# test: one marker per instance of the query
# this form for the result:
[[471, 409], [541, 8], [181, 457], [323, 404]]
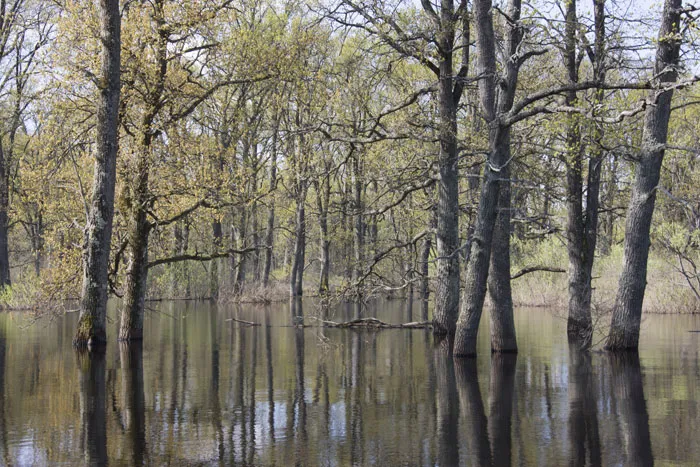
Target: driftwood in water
[[374, 323], [247, 323]]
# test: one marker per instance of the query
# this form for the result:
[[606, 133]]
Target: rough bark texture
[[582, 223], [447, 232], [93, 305], [131, 325], [502, 320], [4, 221], [627, 312], [493, 108]]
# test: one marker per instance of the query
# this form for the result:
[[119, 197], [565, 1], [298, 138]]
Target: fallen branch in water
[[375, 323], [247, 323]]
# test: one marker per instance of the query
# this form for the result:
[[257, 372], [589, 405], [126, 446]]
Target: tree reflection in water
[[206, 391], [92, 407], [133, 403]]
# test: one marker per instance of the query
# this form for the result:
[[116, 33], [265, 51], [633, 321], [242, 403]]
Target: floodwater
[[205, 391]]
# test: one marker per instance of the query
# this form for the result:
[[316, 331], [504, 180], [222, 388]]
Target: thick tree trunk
[[447, 233], [93, 305], [502, 319], [627, 312], [4, 221], [239, 262], [131, 326], [582, 224], [496, 167]]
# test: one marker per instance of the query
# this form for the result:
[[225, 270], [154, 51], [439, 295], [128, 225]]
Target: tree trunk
[[447, 233], [270, 232], [322, 201], [4, 221], [359, 227], [131, 326], [93, 305], [627, 312], [498, 159], [214, 279], [582, 224], [502, 319], [297, 279]]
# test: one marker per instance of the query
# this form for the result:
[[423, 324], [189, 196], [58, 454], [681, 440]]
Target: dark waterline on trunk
[[202, 390]]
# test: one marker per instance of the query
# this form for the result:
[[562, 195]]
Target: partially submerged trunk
[[297, 276], [582, 224], [447, 232], [131, 325], [494, 106], [93, 305], [627, 312], [270, 230]]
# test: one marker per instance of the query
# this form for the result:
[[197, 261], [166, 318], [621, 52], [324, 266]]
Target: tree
[[627, 312], [93, 309]]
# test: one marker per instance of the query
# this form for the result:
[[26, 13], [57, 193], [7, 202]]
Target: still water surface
[[206, 391]]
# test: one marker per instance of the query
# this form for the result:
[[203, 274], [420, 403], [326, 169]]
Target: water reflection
[[583, 410], [631, 408], [133, 400], [93, 390], [203, 390]]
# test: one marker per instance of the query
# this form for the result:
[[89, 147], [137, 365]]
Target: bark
[[218, 237], [131, 325], [359, 225], [627, 312], [270, 232], [447, 233], [297, 277], [582, 223], [4, 221], [239, 262], [503, 337], [323, 193], [493, 108], [93, 305]]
